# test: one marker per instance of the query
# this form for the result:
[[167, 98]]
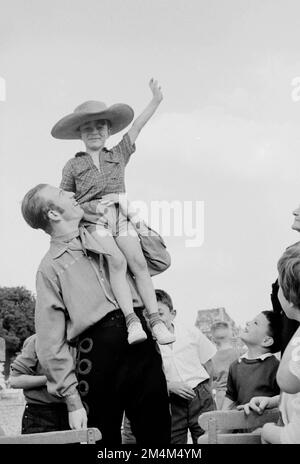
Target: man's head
[[94, 134], [47, 208], [165, 307], [263, 332], [289, 281], [221, 332]]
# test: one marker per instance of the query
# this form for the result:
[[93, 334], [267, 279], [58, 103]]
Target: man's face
[[256, 331], [94, 134], [296, 223], [165, 314], [67, 206]]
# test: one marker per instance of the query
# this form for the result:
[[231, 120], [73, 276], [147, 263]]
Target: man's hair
[[164, 297], [289, 274], [274, 329], [219, 325], [35, 209]]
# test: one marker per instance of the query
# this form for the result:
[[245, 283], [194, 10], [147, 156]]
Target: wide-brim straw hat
[[119, 115]]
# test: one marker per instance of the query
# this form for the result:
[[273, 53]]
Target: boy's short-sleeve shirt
[[183, 360], [80, 175]]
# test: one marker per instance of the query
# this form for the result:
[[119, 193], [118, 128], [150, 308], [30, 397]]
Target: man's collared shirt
[[183, 360], [73, 293]]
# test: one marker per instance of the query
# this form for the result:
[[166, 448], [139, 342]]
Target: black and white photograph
[[150, 207]]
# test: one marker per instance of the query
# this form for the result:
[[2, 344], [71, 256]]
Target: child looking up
[[254, 373], [97, 178]]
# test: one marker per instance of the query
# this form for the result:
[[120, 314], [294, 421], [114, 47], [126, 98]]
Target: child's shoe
[[162, 334], [136, 333]]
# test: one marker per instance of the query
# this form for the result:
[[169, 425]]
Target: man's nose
[[296, 211]]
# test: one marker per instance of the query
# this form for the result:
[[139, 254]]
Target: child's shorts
[[106, 220]]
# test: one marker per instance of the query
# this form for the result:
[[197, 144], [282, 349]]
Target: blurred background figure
[[226, 354]]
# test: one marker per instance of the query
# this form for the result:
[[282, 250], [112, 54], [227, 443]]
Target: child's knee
[[138, 264], [117, 262]]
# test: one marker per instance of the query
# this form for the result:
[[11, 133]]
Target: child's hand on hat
[[156, 90]]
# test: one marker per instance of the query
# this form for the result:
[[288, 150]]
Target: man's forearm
[[142, 119], [73, 402], [27, 381]]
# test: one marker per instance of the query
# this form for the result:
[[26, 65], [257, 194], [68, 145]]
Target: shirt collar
[[59, 243], [262, 357]]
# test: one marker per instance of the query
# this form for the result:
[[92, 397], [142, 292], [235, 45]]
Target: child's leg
[[117, 266], [131, 248]]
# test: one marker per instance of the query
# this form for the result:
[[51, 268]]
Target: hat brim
[[119, 115]]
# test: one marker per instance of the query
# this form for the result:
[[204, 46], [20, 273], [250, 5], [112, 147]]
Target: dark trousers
[[185, 413], [115, 376], [38, 418]]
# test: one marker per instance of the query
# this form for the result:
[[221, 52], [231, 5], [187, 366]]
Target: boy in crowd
[[43, 412], [224, 357], [288, 375], [187, 364], [254, 373]]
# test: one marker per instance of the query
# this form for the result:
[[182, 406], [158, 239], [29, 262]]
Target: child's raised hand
[[156, 90]]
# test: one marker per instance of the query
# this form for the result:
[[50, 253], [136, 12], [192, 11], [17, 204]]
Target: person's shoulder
[[76, 160], [47, 264], [235, 364], [273, 360]]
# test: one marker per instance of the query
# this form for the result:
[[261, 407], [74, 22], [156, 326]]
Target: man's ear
[[173, 312], [53, 215], [267, 341]]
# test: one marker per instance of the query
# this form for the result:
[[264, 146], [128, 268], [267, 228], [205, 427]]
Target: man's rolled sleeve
[[52, 348]]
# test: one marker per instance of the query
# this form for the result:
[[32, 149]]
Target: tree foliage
[[16, 316]]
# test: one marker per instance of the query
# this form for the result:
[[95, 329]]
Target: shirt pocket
[[112, 167]]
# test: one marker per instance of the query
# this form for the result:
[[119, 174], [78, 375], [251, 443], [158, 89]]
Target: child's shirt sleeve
[[68, 180], [231, 391], [294, 366], [26, 361], [290, 433], [206, 349], [125, 148]]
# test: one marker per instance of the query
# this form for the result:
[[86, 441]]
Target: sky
[[226, 134]]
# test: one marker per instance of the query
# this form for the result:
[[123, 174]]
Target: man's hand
[[110, 199], [181, 389], [156, 90], [257, 404], [78, 419]]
